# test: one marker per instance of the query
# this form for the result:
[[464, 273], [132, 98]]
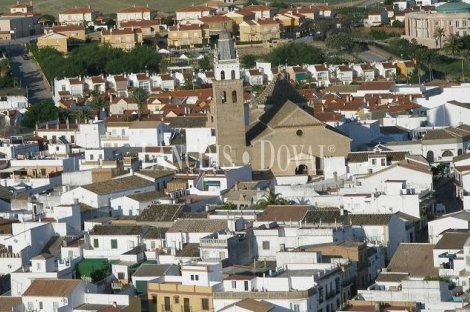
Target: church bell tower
[[228, 109]]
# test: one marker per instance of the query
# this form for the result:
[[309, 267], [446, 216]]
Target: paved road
[[370, 57], [26, 70]]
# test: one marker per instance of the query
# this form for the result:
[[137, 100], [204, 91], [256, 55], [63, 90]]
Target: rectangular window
[[205, 303], [265, 245], [177, 299], [41, 305], [114, 244], [120, 275], [167, 304], [186, 305], [95, 243], [295, 307], [234, 284]]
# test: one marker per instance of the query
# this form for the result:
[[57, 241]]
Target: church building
[[276, 131]]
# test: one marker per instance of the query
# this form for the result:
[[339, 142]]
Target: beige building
[[186, 35], [22, 8], [192, 13], [260, 30], [276, 131], [136, 13], [79, 16], [217, 23], [453, 18], [75, 34], [54, 40], [125, 39]]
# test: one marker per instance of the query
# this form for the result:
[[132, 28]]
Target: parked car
[[26, 57]]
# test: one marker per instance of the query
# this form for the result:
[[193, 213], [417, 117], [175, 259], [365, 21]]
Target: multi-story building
[[21, 21], [192, 290], [259, 30], [79, 16], [53, 40], [185, 35], [136, 13], [194, 12], [452, 18], [125, 39]]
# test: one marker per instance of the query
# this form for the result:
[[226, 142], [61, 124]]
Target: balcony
[[110, 137], [213, 243], [301, 294]]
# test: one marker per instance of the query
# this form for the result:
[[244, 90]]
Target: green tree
[[204, 63], [248, 60], [272, 198], [47, 19], [251, 2], [140, 97], [295, 54], [190, 84], [80, 115], [279, 4], [452, 45], [100, 103], [229, 206], [438, 34], [339, 41], [397, 23], [41, 112]]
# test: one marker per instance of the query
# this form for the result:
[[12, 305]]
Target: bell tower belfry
[[228, 107]]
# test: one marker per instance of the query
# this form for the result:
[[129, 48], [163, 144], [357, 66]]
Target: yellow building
[[260, 30], [125, 39], [75, 34], [217, 23], [53, 40], [405, 68], [240, 16], [186, 35], [192, 291]]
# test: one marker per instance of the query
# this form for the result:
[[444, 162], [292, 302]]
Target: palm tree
[[140, 96], [438, 34], [453, 44], [80, 115], [272, 198], [99, 103]]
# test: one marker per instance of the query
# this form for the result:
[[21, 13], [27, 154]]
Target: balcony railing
[[107, 137], [213, 242], [300, 294]]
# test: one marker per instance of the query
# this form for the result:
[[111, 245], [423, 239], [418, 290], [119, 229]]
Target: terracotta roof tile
[[51, 287]]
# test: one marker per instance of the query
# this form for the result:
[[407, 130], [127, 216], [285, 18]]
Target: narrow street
[[26, 71]]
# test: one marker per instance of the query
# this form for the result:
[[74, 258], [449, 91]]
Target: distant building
[[452, 17], [79, 16]]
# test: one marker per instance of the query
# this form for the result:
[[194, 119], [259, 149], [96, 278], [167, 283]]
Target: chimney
[[67, 123], [31, 3], [47, 125]]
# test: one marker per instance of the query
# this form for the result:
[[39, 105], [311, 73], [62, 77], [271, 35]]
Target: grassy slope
[[106, 6]]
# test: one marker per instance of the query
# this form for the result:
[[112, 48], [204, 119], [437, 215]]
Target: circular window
[[299, 133]]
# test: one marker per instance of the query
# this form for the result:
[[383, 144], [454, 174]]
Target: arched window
[[233, 74], [224, 96], [459, 152], [222, 75], [430, 156], [212, 118], [447, 154], [234, 96]]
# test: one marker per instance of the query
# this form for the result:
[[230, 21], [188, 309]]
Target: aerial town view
[[234, 156]]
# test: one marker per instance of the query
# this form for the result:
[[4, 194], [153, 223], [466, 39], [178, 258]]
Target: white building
[[54, 294], [99, 194], [111, 241]]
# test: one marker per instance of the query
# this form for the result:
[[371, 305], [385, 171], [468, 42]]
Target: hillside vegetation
[[105, 6]]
